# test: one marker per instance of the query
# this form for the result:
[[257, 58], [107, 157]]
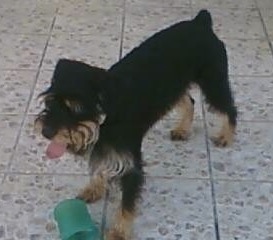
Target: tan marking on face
[[85, 133], [38, 125], [79, 138]]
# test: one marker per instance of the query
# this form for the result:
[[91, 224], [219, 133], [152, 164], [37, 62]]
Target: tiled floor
[[194, 190]]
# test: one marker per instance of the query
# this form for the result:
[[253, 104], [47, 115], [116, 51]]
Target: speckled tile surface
[[245, 210], [250, 157], [162, 3], [265, 4], [92, 20], [236, 23], [28, 3], [150, 19], [249, 57], [21, 51], [15, 90], [9, 127], [32, 199], [257, 104], [178, 201], [99, 51], [30, 19], [93, 3], [164, 157], [224, 4]]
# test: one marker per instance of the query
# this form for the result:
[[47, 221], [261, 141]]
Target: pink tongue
[[55, 150]]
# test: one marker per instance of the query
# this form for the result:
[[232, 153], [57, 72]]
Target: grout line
[[239, 120], [25, 34], [45, 174], [30, 96], [87, 174], [265, 29], [233, 180], [196, 119], [51, 69], [19, 69], [250, 76], [122, 29], [214, 204]]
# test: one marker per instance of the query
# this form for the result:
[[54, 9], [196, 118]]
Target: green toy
[[74, 221]]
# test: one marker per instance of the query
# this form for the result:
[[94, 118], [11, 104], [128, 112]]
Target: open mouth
[[55, 150]]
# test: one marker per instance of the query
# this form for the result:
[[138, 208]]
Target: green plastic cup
[[74, 221]]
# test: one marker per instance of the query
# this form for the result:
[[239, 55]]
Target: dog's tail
[[204, 18]]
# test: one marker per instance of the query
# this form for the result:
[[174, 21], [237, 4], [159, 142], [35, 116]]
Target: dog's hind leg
[[215, 86], [226, 134], [131, 185], [186, 109]]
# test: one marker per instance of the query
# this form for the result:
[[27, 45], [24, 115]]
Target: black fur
[[139, 89]]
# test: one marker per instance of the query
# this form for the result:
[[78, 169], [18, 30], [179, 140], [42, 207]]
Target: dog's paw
[[179, 135], [88, 195], [222, 141], [115, 235], [83, 197]]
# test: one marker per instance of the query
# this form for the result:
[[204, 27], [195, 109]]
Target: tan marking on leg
[[95, 190], [186, 108], [122, 228], [226, 135]]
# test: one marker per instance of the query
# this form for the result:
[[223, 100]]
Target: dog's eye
[[48, 104], [74, 106], [78, 109]]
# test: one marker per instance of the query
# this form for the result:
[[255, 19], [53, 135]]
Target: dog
[[106, 113]]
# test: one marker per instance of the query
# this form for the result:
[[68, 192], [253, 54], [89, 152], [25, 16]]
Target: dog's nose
[[48, 132]]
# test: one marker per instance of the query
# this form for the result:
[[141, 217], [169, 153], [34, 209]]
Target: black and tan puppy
[[111, 110]]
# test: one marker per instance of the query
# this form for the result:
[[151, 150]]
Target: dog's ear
[[72, 69], [76, 78], [60, 66]]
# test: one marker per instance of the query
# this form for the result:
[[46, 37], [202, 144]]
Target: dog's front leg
[[131, 185], [95, 190]]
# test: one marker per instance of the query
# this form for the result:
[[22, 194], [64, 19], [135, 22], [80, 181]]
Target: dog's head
[[73, 108]]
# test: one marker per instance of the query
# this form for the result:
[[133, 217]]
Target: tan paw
[[222, 141], [115, 235], [179, 135], [89, 196]]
